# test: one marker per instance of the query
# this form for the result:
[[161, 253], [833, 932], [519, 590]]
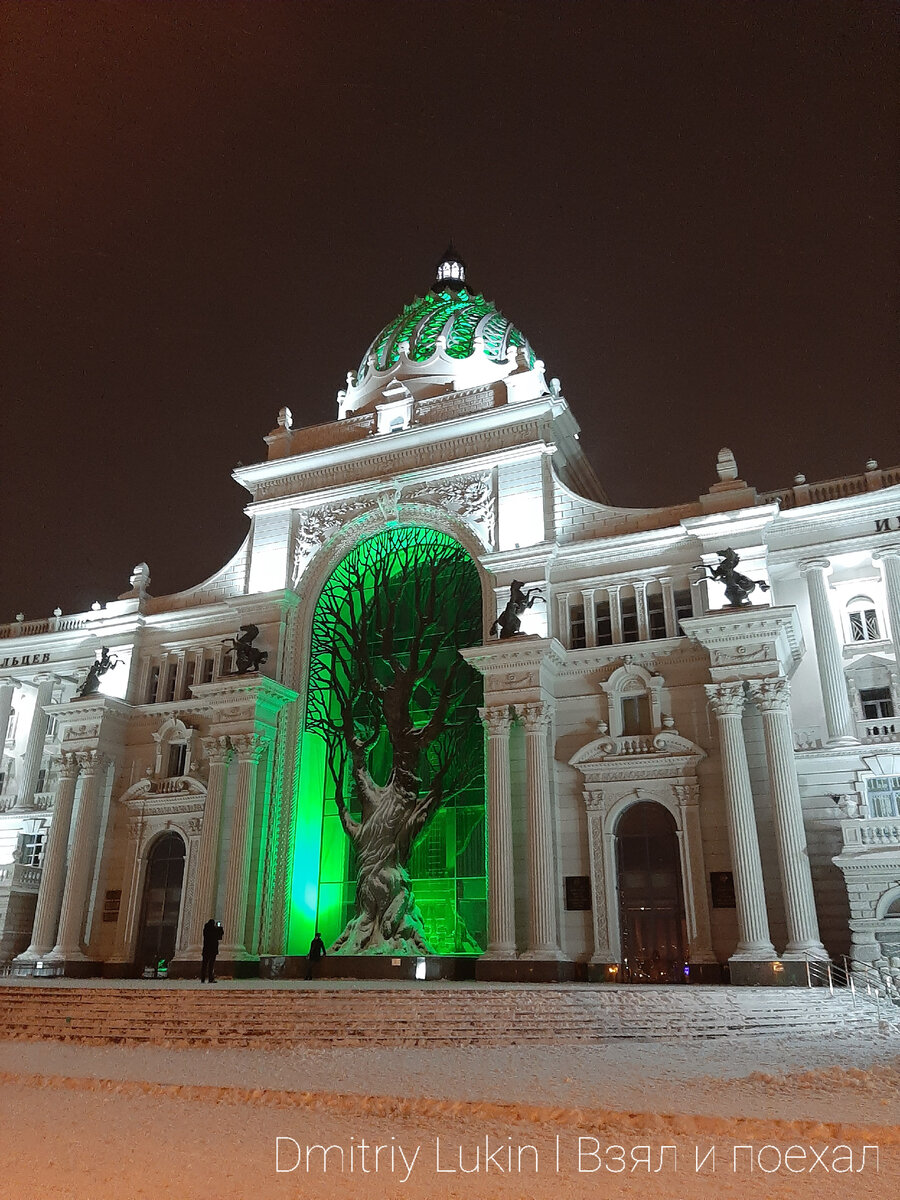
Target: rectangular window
[[209, 665], [604, 624], [884, 796], [876, 702], [177, 758], [683, 606], [635, 715], [576, 627], [41, 779], [111, 904], [153, 685], [32, 849], [864, 625], [656, 614], [190, 672], [171, 672], [629, 619]]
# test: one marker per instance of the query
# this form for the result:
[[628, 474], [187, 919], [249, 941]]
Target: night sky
[[209, 210]]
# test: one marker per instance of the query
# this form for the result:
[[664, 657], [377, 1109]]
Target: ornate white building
[[670, 784]]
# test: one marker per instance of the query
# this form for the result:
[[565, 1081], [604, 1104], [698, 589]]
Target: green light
[[399, 606], [459, 316]]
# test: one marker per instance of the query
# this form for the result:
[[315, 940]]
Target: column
[[543, 939], [643, 617], [37, 736], [562, 617], [53, 871], [615, 612], [249, 749], [7, 691], [889, 558], [690, 840], [218, 755], [82, 859], [838, 718], [773, 699], [668, 595], [590, 617], [593, 802], [501, 893], [754, 942]]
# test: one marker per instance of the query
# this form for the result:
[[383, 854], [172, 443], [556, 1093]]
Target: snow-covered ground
[[101, 1123]]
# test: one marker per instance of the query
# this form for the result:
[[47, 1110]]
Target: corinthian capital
[[216, 749], [249, 747], [725, 699], [69, 766], [91, 761], [496, 720], [536, 717], [771, 695]]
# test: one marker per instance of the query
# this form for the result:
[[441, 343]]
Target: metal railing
[[861, 980]]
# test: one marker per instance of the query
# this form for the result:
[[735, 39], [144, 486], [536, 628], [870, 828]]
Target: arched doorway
[[651, 896], [161, 903]]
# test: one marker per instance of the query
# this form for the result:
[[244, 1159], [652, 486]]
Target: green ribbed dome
[[460, 316]]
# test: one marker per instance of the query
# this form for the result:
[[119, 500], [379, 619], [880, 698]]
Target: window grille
[[576, 627], [604, 624], [629, 619]]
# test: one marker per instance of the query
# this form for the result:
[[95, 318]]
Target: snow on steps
[[557, 1015]]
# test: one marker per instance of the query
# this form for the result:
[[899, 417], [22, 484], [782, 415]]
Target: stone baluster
[[754, 941], [53, 869], [543, 938], [501, 894], [249, 749], [773, 699], [218, 753], [37, 736], [83, 857], [838, 717], [889, 558]]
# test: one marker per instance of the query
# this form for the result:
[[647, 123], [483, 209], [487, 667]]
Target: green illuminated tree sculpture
[[389, 693]]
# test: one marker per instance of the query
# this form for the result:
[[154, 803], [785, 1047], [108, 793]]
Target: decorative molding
[[725, 699], [497, 720], [536, 718], [770, 695], [250, 747]]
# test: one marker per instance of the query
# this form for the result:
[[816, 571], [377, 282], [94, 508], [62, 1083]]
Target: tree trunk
[[387, 918]]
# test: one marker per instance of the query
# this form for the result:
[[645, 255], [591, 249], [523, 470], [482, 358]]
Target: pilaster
[[501, 894]]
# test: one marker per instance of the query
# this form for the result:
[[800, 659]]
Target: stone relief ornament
[[315, 525], [468, 496]]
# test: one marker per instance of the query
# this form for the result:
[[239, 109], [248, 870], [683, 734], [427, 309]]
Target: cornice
[[517, 653]]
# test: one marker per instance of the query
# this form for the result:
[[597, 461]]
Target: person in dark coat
[[316, 953], [212, 935]]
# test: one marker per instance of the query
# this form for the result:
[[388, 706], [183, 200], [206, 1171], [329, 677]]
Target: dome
[[461, 323]]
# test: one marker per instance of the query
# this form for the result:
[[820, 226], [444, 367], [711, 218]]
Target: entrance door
[[161, 904], [651, 897]]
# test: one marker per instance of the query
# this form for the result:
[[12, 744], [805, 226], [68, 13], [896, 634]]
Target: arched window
[[862, 620]]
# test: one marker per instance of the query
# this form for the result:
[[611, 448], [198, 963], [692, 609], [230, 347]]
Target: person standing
[[212, 935], [316, 953]]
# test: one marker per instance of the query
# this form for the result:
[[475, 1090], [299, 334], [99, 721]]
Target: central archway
[[651, 895], [161, 902], [390, 852]]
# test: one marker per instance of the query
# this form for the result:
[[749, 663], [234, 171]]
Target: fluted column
[[889, 558], [53, 870], [838, 717], [593, 802], [614, 591], [249, 749], [773, 699], [589, 597], [501, 892], [83, 857], [37, 736], [218, 753], [543, 938], [668, 595], [754, 941]]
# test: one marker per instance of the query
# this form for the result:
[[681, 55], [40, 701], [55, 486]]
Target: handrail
[[856, 976]]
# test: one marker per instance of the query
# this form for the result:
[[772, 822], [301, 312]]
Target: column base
[[499, 954], [772, 973], [815, 951], [545, 954], [751, 954], [522, 970], [846, 740]]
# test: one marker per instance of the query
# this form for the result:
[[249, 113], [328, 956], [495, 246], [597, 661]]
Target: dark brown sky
[[209, 209]]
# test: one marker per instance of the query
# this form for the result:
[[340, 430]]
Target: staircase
[[270, 1018]]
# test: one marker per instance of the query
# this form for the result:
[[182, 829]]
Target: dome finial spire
[[450, 272]]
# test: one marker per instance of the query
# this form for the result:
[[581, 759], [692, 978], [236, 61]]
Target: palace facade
[[669, 786]]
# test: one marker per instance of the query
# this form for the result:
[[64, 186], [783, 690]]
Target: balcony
[[15, 877], [871, 833], [879, 729], [42, 802]]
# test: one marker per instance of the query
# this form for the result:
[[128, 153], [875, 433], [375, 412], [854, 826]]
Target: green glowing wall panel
[[447, 864]]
